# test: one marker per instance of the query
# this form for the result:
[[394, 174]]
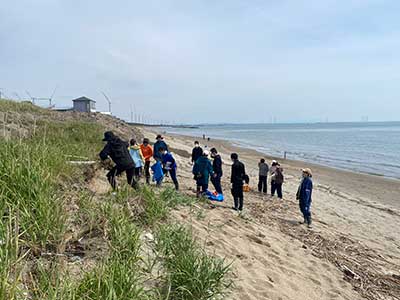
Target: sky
[[208, 61]]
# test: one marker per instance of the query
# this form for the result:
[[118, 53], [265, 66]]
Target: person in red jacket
[[147, 152]]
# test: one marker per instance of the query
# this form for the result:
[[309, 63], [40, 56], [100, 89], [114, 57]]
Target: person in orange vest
[[147, 152]]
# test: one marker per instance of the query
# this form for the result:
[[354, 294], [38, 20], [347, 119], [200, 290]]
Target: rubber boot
[[309, 222]]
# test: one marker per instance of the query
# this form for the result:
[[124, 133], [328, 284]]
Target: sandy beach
[[352, 252]]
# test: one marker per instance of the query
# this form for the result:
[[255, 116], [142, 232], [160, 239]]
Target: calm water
[[362, 147]]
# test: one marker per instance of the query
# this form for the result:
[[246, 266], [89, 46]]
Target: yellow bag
[[246, 188]]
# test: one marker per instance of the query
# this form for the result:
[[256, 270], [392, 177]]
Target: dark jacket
[[279, 178], [238, 174], [217, 165], [304, 192], [202, 170], [156, 149], [168, 161], [196, 153], [117, 149]]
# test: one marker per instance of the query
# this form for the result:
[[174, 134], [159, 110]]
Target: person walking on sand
[[196, 152], [169, 165], [272, 173], [217, 169], [117, 150], [263, 170], [157, 146], [238, 175], [202, 170], [304, 195], [278, 180], [137, 157], [147, 152]]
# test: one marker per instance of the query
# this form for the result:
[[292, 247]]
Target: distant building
[[84, 104]]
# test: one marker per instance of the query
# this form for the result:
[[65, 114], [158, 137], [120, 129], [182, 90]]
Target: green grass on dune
[[35, 185]]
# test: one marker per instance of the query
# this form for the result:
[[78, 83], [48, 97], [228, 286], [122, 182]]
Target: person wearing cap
[[217, 168], [238, 175], [272, 170], [117, 150], [263, 170], [157, 146], [196, 152], [202, 170], [277, 180], [169, 165], [304, 195], [147, 152]]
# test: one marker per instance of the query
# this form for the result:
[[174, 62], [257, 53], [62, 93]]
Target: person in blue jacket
[[169, 165], [202, 170], [157, 146], [304, 195]]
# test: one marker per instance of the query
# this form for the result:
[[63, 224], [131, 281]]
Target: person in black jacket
[[196, 152], [117, 150], [238, 175], [217, 168]]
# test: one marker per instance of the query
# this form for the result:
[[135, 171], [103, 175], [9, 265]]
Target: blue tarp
[[158, 174], [214, 196]]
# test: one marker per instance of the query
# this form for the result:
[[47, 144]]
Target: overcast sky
[[208, 61]]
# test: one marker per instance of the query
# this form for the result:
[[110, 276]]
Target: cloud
[[192, 61]]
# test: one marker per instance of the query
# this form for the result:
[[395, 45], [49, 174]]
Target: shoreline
[[362, 186], [353, 219], [243, 145]]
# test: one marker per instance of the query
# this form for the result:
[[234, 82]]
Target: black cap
[[108, 136]]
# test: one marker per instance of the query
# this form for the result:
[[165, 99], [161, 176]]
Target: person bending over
[[117, 150], [169, 165]]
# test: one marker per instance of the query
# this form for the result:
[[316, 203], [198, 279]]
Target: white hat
[[206, 152], [274, 161]]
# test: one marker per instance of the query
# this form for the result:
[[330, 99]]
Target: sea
[[372, 147]]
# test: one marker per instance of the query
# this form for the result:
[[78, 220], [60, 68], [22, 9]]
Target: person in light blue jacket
[[137, 157], [304, 195]]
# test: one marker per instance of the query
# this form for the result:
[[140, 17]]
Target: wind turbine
[[108, 100]]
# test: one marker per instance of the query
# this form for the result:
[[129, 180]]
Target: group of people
[[132, 158], [277, 178]]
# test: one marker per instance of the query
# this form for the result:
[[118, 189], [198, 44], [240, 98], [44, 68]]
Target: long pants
[[305, 208], [138, 172], [201, 188], [237, 193], [216, 181], [262, 184], [115, 171], [147, 171], [276, 187], [172, 173]]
